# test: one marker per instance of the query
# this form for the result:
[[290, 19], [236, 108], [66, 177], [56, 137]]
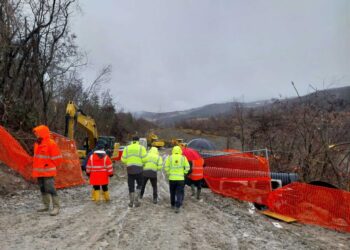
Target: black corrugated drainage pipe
[[285, 178], [278, 180]]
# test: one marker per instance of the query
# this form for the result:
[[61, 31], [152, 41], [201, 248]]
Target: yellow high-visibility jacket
[[176, 165], [134, 157], [153, 163]]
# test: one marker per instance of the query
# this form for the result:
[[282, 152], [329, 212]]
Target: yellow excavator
[[178, 142], [154, 141], [75, 116]]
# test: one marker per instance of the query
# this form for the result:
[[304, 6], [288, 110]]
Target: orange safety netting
[[311, 204], [14, 156], [239, 175], [69, 172]]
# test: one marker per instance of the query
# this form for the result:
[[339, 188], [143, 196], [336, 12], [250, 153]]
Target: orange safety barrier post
[[14, 156], [69, 173], [311, 204], [239, 175]]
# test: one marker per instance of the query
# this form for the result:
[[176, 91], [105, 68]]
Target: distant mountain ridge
[[206, 111]]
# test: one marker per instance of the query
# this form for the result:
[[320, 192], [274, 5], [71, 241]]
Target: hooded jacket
[[47, 155], [176, 165], [153, 163], [99, 167]]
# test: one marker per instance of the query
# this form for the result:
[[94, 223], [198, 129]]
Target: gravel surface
[[214, 222]]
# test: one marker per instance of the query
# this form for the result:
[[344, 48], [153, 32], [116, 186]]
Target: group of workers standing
[[141, 166]]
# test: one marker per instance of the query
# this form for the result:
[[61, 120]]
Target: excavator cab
[[109, 144]]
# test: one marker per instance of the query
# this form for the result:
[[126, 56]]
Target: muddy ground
[[214, 222]]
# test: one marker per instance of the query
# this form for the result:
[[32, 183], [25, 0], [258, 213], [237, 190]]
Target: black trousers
[[197, 184], [131, 182], [47, 185], [176, 192], [104, 188], [154, 185]]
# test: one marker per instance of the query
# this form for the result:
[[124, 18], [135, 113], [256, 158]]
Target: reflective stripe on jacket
[[197, 170], [134, 157], [176, 167], [134, 154], [47, 155], [99, 166]]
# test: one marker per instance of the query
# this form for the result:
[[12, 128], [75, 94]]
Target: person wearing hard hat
[[153, 164], [176, 167], [99, 168], [133, 157], [47, 157]]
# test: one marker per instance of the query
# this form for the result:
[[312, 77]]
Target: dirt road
[[214, 222]]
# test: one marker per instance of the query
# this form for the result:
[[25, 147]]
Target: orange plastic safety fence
[[239, 175], [243, 161], [14, 156], [69, 172], [311, 204]]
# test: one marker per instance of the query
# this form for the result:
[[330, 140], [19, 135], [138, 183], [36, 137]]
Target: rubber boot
[[198, 195], [92, 194], [56, 206], [136, 198], [131, 197], [97, 196], [155, 200], [46, 199], [106, 196], [193, 190]]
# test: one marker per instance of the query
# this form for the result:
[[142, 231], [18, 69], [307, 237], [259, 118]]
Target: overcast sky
[[178, 54]]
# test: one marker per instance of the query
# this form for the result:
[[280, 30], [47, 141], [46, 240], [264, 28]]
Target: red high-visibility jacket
[[99, 167], [47, 155], [197, 170]]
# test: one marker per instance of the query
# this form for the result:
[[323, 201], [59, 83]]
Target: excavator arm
[[76, 116]]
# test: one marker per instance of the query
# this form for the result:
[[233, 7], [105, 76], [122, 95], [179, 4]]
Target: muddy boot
[[136, 200], [92, 194], [131, 197], [46, 199], [177, 210], [56, 206], [106, 196], [155, 200], [193, 190], [198, 195], [97, 196]]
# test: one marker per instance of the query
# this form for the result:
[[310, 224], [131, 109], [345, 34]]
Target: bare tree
[[36, 49]]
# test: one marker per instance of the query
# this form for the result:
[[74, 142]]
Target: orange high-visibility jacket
[[99, 167], [197, 170], [47, 155]]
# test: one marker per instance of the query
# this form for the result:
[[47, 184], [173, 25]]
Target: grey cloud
[[173, 55]]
